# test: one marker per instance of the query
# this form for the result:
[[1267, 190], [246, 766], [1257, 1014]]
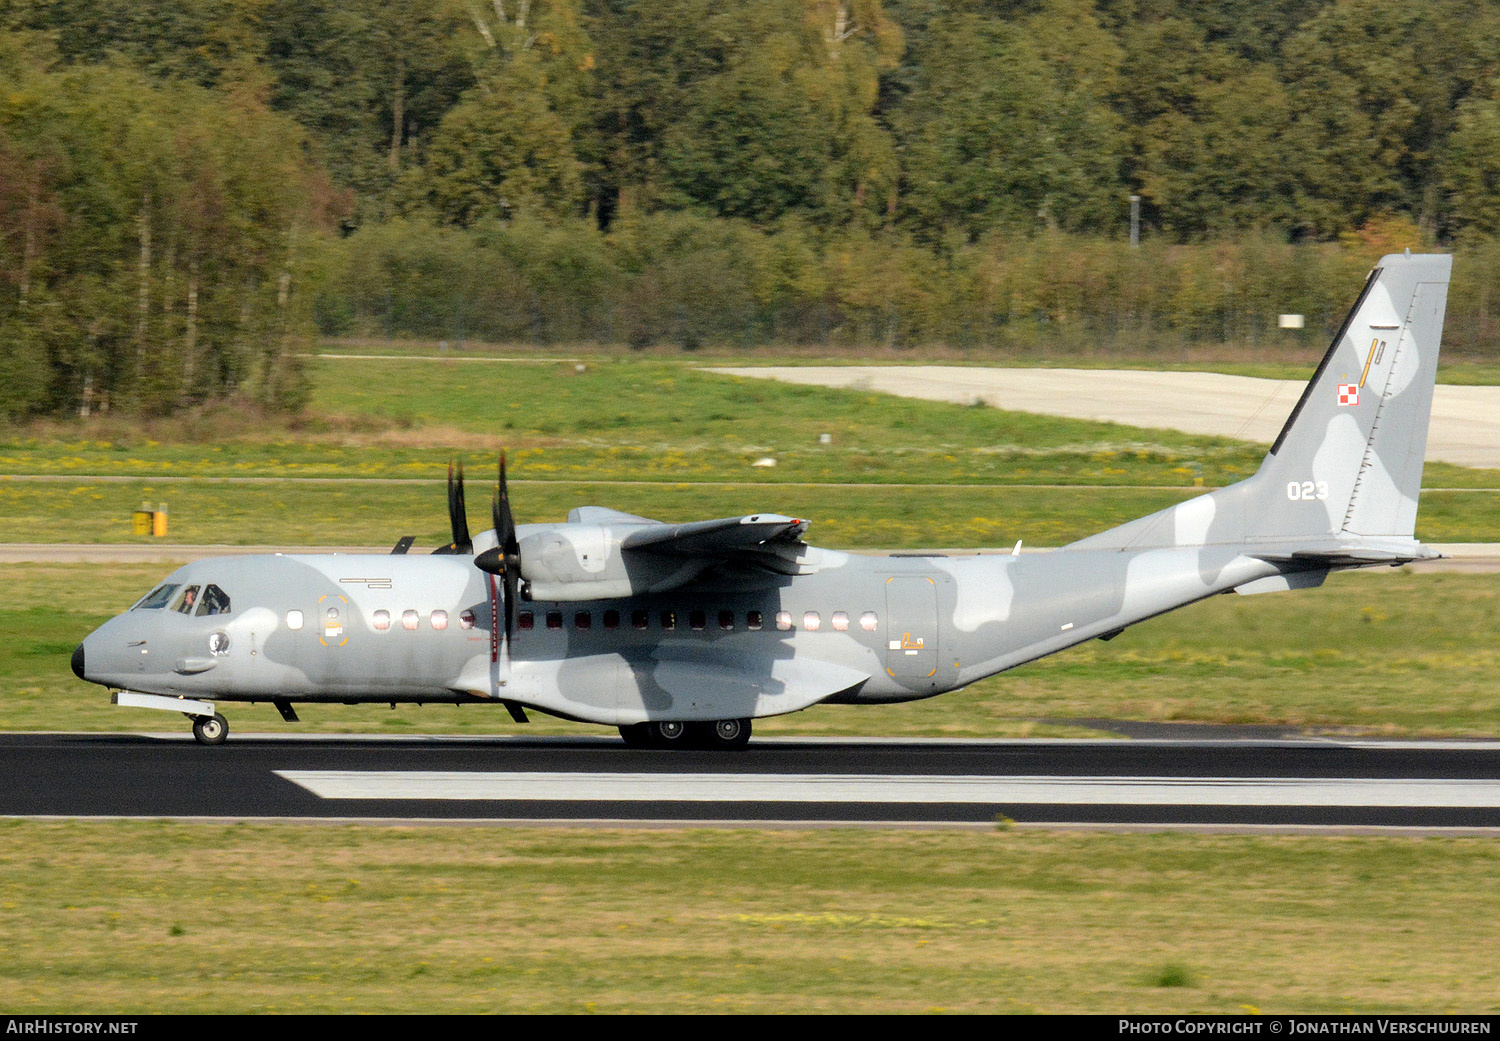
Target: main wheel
[[637, 735], [730, 734], [669, 734], [211, 730]]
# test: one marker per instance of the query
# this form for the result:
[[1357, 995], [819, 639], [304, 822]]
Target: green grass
[[1377, 653], [866, 517], [983, 477], [374, 515], [140, 917], [624, 420]]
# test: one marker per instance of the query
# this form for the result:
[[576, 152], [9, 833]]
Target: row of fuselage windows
[[668, 620], [727, 621]]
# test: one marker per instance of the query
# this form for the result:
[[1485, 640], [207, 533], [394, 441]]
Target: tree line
[[189, 189]]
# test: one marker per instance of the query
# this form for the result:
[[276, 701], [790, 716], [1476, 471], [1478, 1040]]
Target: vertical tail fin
[[1347, 465], [1357, 438]]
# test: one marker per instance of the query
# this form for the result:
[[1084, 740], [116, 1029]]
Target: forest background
[[191, 190]]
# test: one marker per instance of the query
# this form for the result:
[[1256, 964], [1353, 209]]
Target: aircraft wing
[[593, 561], [717, 538], [605, 515]]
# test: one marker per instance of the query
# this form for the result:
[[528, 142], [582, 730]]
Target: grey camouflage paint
[[1339, 489]]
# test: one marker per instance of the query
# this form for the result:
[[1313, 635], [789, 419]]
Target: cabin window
[[583, 620], [440, 619], [868, 621], [669, 619], [697, 619], [382, 620], [611, 619], [525, 620], [187, 600], [753, 620], [726, 620], [841, 621], [466, 620], [410, 620], [640, 619], [294, 619], [157, 598], [783, 620], [811, 620], [213, 601], [554, 619]]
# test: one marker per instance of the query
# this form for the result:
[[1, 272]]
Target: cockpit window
[[157, 598], [214, 601], [187, 600]]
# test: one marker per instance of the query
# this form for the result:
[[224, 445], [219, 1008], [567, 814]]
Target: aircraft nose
[[78, 662]]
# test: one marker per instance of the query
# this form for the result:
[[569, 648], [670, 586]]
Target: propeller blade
[[505, 522], [505, 559], [458, 515]]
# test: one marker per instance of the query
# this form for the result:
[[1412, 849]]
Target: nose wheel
[[210, 730]]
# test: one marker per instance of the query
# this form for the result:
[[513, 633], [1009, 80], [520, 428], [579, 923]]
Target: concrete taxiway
[[1465, 427]]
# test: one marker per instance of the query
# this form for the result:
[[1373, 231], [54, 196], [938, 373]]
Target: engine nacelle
[[569, 562]]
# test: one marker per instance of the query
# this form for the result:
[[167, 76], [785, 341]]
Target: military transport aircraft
[[681, 634]]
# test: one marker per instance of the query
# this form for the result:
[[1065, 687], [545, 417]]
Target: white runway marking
[[889, 788]]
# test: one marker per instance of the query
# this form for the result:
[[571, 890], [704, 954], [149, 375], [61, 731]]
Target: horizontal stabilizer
[[1366, 552]]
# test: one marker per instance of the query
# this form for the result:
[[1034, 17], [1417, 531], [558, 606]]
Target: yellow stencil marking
[[1368, 358]]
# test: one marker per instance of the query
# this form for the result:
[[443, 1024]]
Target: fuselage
[[406, 628]]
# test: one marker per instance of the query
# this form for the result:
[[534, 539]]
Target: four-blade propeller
[[505, 558]]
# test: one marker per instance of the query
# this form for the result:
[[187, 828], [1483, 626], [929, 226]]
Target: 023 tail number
[[1298, 490]]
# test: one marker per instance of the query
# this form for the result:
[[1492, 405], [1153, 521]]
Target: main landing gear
[[210, 730], [720, 735]]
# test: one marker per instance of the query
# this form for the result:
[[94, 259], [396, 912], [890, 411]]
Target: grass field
[[896, 473], [147, 917]]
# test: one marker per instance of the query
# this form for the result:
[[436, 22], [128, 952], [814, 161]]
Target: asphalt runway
[[1304, 783]]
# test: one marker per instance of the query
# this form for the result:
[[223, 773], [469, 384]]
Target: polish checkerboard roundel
[[1348, 394]]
